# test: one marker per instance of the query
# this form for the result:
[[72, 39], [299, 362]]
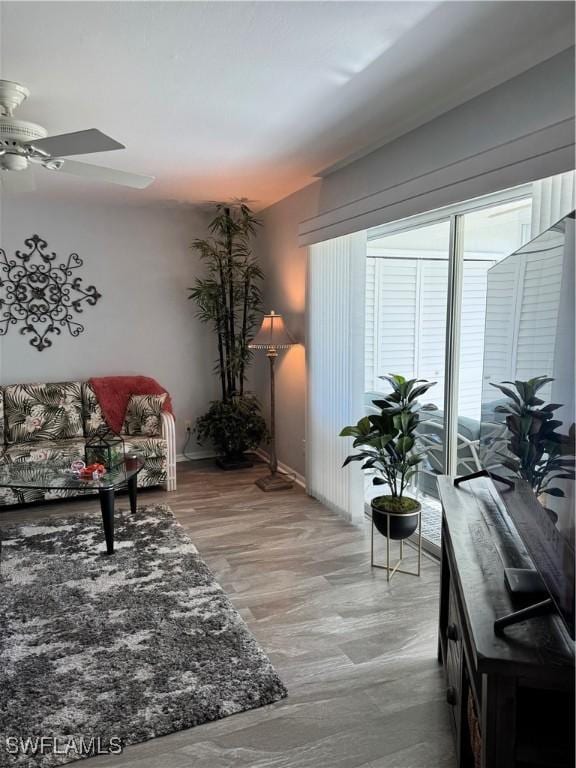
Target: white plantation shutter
[[335, 357], [432, 326], [522, 314], [474, 282], [407, 321], [397, 292], [370, 330], [538, 316], [406, 325], [500, 325], [552, 199]]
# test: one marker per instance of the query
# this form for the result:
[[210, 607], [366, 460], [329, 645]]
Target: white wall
[[284, 263], [140, 261]]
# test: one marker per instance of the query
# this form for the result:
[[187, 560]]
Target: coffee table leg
[[107, 507], [132, 491]]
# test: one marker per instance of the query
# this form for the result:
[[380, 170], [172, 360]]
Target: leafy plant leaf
[[386, 440], [554, 492]]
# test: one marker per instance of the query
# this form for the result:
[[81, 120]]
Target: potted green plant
[[228, 298], [535, 451], [232, 426], [387, 444]]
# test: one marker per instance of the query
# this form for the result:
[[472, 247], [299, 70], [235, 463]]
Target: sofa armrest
[[169, 434]]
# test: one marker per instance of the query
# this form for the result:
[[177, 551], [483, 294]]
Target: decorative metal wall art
[[41, 295]]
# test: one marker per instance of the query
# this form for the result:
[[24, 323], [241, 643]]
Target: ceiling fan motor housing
[[15, 134]]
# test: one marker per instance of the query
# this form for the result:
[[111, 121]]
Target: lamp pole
[[275, 481], [272, 354], [272, 336]]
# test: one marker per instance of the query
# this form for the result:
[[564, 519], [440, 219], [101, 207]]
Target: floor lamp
[[272, 336]]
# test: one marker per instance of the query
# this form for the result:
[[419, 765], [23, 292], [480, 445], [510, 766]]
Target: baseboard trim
[[196, 455], [206, 453], [298, 478]]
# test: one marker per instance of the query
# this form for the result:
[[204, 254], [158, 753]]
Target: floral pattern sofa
[[52, 421]]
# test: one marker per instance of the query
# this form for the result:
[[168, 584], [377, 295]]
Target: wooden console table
[[511, 697]]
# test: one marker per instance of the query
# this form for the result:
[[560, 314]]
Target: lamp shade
[[272, 334]]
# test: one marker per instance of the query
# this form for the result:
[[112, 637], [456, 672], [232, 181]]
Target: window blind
[[335, 350]]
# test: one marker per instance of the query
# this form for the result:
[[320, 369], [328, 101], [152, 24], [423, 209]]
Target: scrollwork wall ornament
[[41, 295]]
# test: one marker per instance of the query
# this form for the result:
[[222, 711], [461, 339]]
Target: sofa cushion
[[144, 446], [39, 412], [60, 451], [93, 416], [143, 415], [154, 452]]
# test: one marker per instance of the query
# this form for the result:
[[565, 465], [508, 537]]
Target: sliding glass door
[[426, 292], [410, 298], [406, 303]]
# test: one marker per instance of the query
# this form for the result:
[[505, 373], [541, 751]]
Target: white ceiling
[[222, 99]]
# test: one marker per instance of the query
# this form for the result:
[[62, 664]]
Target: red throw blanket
[[113, 394]]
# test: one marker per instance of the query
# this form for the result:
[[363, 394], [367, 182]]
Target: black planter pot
[[240, 461], [402, 524]]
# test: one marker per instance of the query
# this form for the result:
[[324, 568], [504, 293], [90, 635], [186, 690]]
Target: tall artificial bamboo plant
[[229, 298]]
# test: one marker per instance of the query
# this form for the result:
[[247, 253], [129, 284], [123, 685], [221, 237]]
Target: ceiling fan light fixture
[[10, 162]]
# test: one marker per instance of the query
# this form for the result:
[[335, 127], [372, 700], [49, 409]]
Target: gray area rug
[[115, 649]]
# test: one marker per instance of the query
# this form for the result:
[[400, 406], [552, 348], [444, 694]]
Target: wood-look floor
[[357, 654]]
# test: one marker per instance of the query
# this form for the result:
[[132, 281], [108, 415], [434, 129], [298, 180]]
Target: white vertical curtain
[[335, 361]]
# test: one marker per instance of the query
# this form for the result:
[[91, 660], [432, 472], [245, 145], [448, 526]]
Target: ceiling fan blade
[[99, 173], [79, 143], [17, 181]]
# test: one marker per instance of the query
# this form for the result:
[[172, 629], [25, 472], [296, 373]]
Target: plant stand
[[392, 569]]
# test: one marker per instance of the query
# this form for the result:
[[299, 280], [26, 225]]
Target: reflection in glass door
[[489, 236]]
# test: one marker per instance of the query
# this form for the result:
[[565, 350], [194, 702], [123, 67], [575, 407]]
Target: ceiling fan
[[23, 144]]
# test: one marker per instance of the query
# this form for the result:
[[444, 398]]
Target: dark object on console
[[524, 581], [483, 473], [543, 608], [521, 684]]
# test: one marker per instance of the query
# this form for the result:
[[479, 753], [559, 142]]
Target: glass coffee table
[[47, 475]]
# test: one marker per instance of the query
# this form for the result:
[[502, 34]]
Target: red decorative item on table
[[93, 471]]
